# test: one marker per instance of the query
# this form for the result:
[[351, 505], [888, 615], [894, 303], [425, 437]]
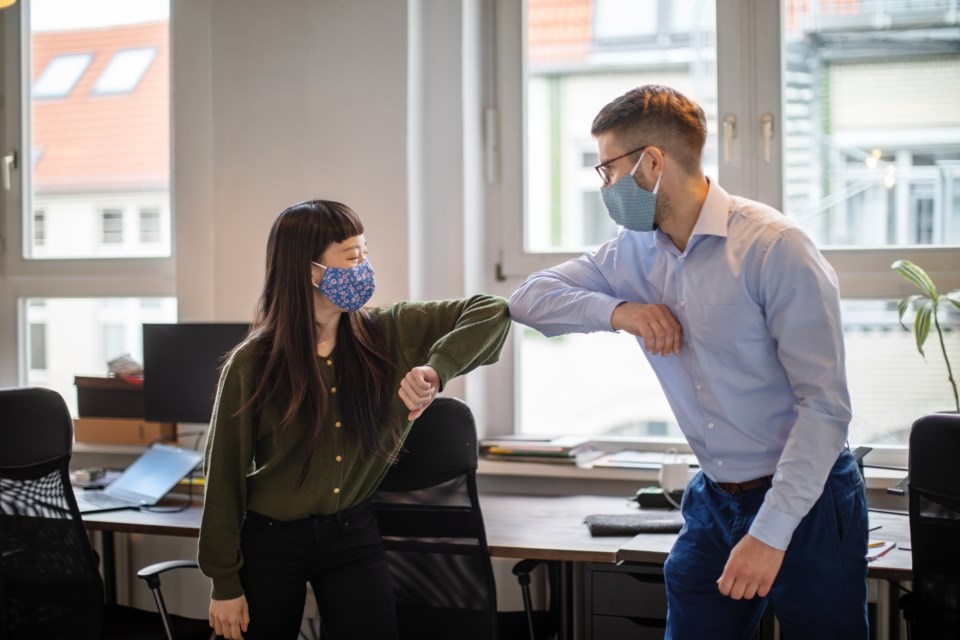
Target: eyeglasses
[[603, 169]]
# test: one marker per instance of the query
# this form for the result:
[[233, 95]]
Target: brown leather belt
[[749, 485]]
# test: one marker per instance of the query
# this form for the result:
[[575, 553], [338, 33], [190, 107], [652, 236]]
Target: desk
[[534, 527]]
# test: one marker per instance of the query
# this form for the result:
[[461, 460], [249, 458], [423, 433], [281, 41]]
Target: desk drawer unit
[[625, 601]]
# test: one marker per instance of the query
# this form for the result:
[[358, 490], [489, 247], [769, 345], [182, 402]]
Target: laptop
[[145, 482]]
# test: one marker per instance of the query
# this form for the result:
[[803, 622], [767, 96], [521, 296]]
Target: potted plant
[[927, 305]]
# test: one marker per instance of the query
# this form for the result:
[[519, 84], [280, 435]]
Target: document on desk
[[643, 459]]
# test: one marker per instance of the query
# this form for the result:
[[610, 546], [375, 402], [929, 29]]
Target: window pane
[[891, 384], [124, 71], [104, 144], [626, 400], [579, 56], [872, 132], [111, 225], [150, 230], [60, 75], [77, 336]]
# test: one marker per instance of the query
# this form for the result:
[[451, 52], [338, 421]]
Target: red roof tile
[[558, 30], [111, 142]]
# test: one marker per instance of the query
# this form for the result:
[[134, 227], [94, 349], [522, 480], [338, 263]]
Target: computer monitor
[[181, 368]]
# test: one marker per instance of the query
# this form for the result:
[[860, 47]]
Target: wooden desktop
[[532, 527]]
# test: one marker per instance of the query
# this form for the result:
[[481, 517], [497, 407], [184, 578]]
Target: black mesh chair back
[[49, 584], [432, 527], [934, 496]]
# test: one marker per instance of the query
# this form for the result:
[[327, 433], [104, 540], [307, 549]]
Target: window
[[871, 176], [575, 63], [61, 75], [124, 71], [150, 226], [97, 152], [39, 228], [111, 226], [38, 346], [113, 327], [72, 266]]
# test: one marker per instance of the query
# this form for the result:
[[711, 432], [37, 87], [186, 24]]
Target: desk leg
[[109, 567], [565, 586]]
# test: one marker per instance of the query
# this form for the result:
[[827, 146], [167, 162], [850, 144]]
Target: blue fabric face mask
[[630, 205], [348, 288]]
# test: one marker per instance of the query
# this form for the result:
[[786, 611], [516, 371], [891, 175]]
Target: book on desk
[[553, 450]]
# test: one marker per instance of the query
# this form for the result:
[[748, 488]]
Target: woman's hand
[[418, 389], [229, 617]]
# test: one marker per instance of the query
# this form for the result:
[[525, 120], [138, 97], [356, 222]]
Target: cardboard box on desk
[[120, 430], [109, 397]]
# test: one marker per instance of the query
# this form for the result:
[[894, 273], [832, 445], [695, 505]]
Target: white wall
[[279, 102]]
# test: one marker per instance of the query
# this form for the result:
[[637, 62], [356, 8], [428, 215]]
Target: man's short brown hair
[[657, 116]]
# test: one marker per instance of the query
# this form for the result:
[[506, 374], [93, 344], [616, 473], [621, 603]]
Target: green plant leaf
[[905, 304], [921, 326], [954, 297], [917, 276]]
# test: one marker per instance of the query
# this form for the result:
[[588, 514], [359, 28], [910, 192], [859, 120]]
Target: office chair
[[430, 519], [50, 586], [933, 609]]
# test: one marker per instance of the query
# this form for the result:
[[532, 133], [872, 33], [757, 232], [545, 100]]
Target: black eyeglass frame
[[602, 167]]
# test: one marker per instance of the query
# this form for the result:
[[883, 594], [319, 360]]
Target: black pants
[[341, 556]]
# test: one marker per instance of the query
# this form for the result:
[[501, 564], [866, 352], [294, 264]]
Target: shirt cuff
[[445, 367], [774, 527]]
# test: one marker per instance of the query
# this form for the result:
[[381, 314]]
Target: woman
[[311, 409]]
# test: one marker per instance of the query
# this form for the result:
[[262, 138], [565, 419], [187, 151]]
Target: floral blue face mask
[[630, 205], [349, 288]]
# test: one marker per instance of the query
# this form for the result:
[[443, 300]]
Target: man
[[739, 316]]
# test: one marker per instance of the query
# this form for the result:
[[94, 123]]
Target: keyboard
[[102, 500]]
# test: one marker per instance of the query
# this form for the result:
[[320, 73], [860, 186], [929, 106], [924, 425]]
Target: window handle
[[9, 163], [729, 133], [766, 131]]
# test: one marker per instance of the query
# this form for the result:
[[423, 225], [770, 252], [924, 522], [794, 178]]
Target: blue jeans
[[820, 592], [341, 556]]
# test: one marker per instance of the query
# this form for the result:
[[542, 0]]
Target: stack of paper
[[559, 450]]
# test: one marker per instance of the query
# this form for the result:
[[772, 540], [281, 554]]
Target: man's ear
[[656, 156]]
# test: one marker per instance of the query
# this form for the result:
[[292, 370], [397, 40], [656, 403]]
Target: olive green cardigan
[[248, 468]]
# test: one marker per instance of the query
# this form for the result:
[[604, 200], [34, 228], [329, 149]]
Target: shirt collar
[[713, 215], [712, 220]]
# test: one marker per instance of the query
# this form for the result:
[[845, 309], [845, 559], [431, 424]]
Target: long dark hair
[[285, 334]]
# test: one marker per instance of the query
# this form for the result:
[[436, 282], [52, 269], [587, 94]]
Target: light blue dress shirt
[[759, 387]]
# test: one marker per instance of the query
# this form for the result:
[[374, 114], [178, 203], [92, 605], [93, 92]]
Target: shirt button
[[699, 387], [710, 425], [683, 303], [336, 489], [719, 464], [339, 458], [680, 259], [329, 363], [333, 389], [337, 424]]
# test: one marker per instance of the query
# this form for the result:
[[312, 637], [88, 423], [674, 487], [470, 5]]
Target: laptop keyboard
[[100, 499]]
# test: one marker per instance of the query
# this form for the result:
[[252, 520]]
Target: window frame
[[749, 86], [22, 277]]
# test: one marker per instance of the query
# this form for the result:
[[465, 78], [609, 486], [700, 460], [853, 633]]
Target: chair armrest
[[162, 567], [524, 568]]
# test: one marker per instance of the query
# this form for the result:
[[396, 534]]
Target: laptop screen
[[154, 473]]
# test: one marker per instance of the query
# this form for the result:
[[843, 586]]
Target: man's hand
[[654, 323], [750, 570], [229, 617], [418, 389]]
